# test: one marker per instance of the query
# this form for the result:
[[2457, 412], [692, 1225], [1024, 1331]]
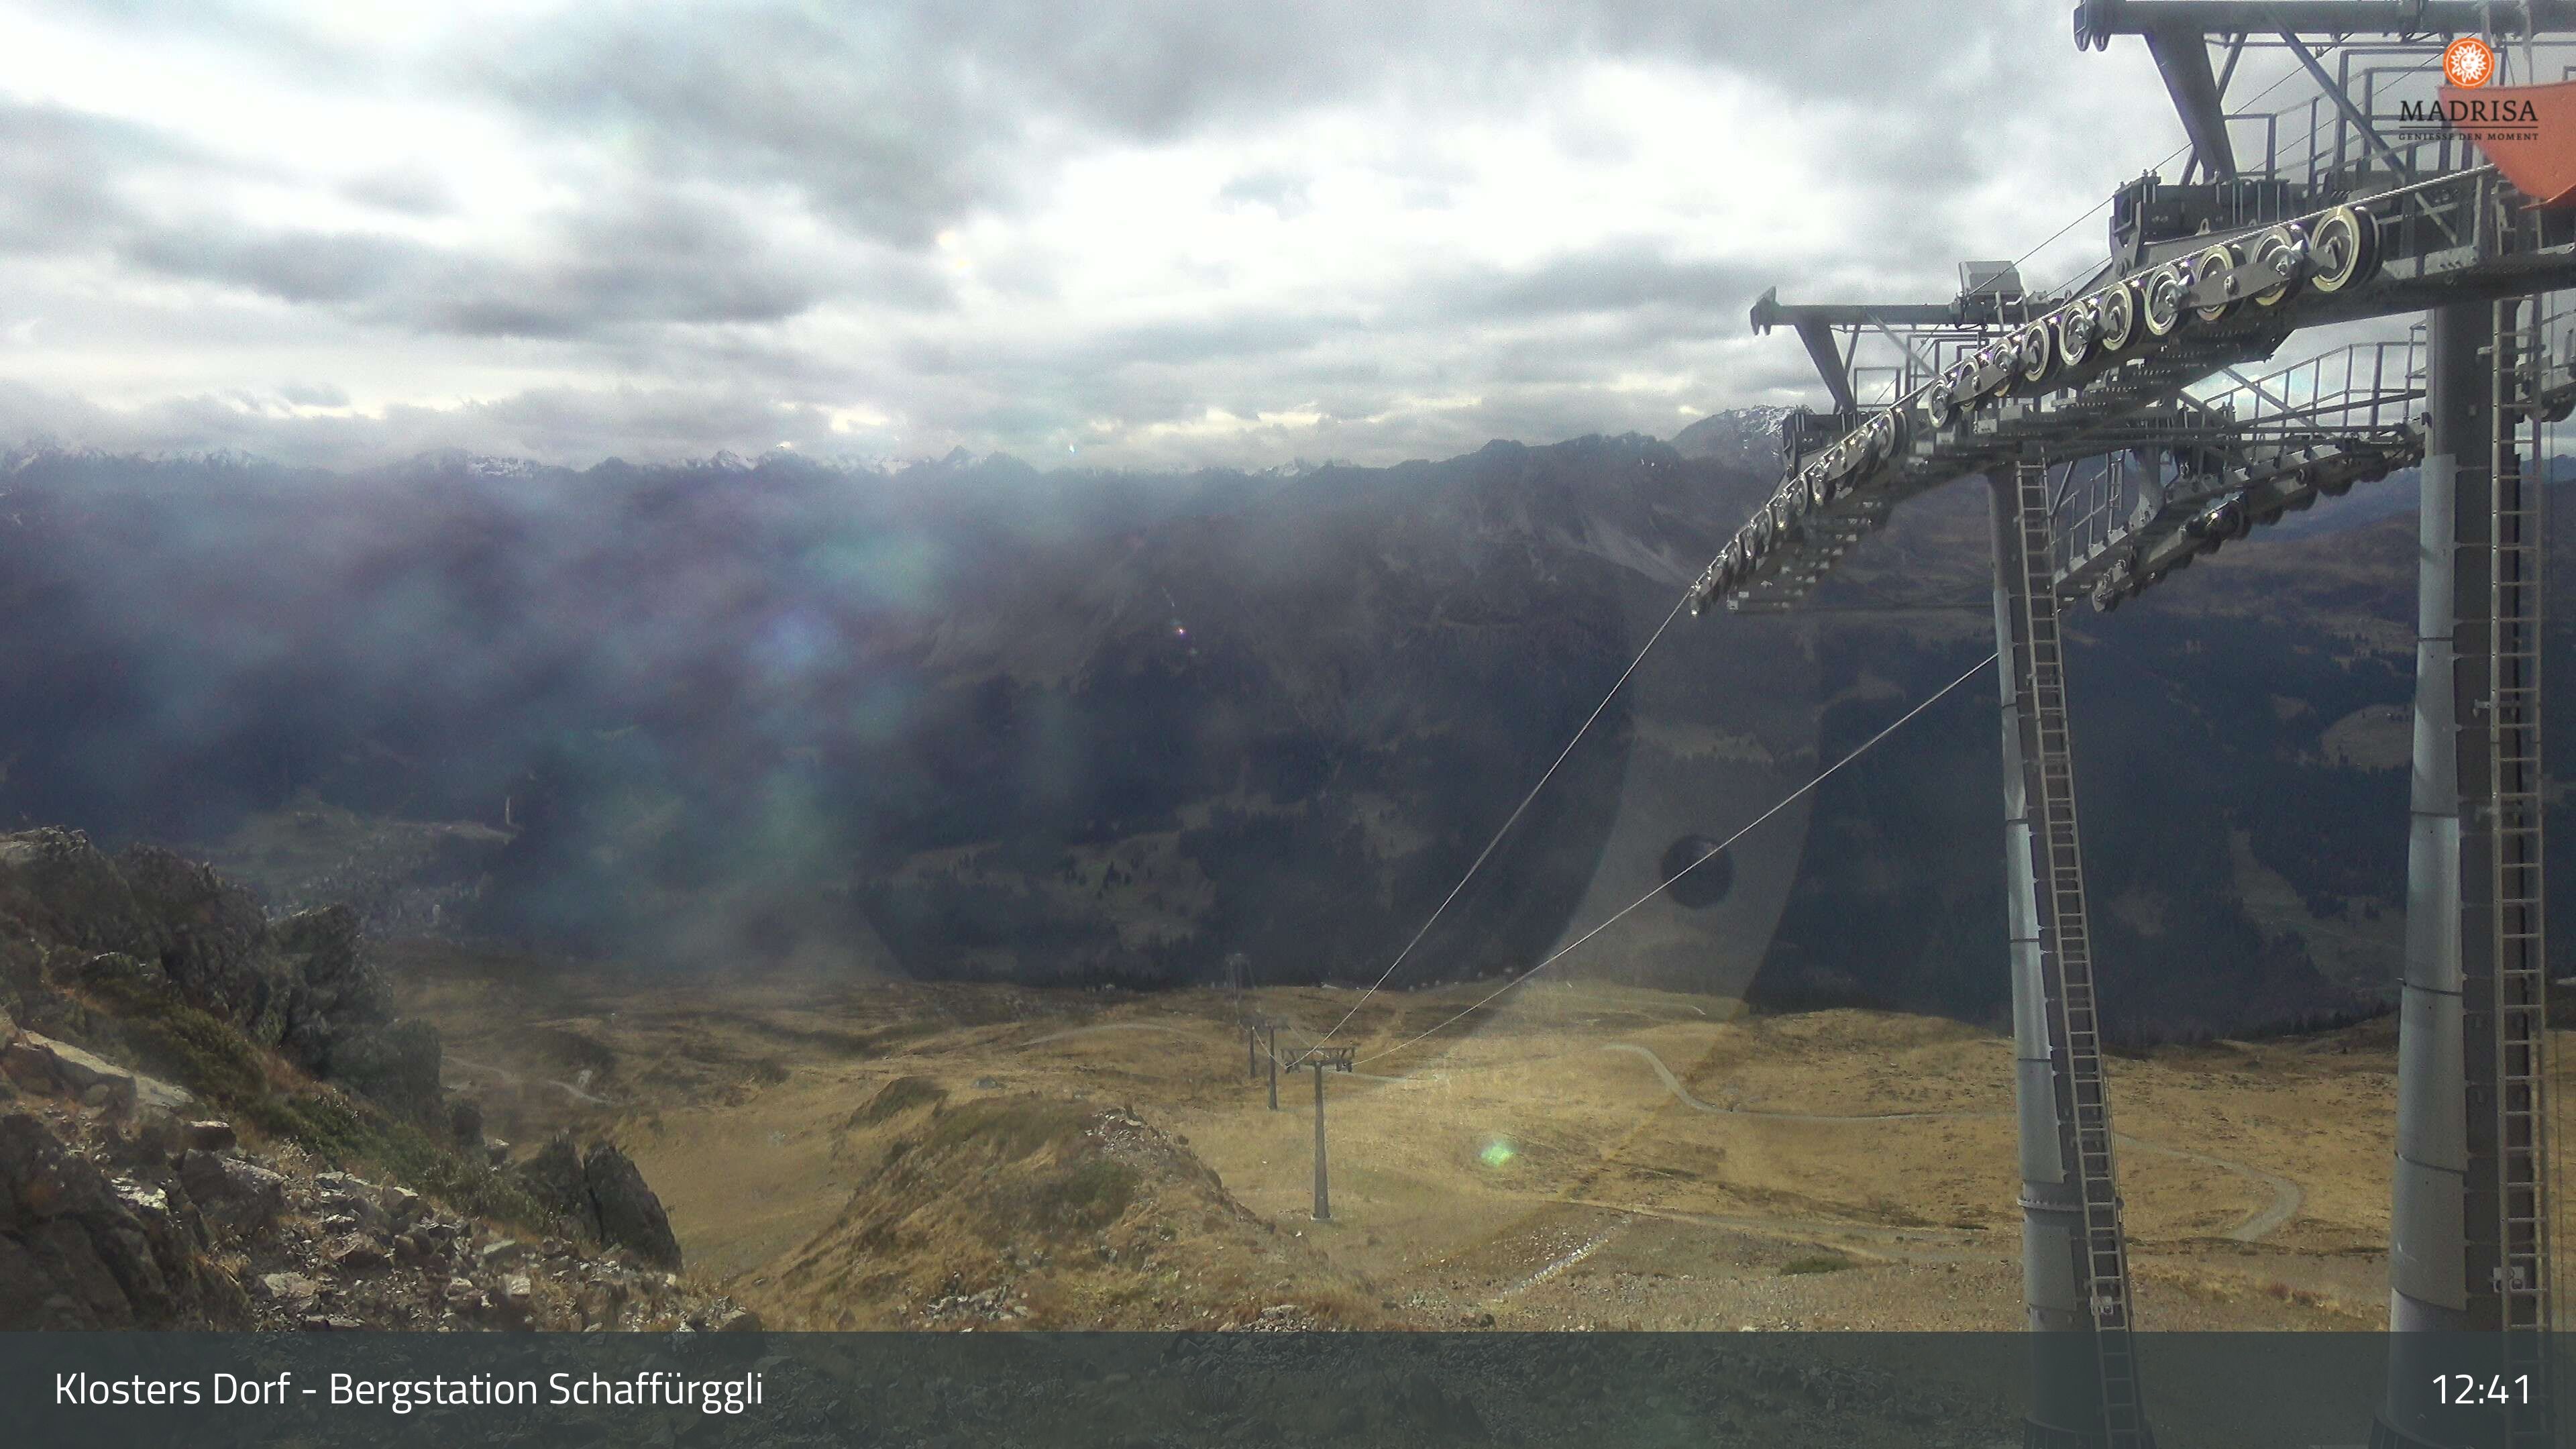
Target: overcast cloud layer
[[1136, 234]]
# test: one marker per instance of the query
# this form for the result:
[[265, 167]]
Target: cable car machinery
[[2122, 438]]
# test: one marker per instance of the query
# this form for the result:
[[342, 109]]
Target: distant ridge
[[1747, 438]]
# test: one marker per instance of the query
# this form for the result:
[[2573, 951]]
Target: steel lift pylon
[[2272, 443], [2469, 1246], [2469, 1232], [2202, 278]]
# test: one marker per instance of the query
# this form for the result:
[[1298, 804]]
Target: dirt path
[[514, 1078], [1111, 1026], [2287, 1197]]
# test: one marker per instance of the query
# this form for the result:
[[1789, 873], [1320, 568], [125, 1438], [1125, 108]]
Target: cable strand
[[1511, 820], [1757, 821]]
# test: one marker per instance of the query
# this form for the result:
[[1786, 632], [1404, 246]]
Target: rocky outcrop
[[126, 1203], [38, 1063], [107, 1226], [630, 1216], [337, 991], [80, 1249], [602, 1195], [395, 1064], [234, 1194], [151, 924], [59, 887], [208, 936]]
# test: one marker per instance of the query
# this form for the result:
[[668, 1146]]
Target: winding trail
[[1110, 1026], [505, 1074], [2287, 1196]]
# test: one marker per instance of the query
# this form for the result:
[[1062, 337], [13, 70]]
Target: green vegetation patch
[[898, 1097], [211, 1058], [1085, 1197], [1815, 1263], [1011, 1128]]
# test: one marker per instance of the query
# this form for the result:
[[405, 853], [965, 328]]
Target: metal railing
[[2216, 438]]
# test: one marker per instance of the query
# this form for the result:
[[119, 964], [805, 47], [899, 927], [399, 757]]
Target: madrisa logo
[[2466, 107], [2484, 111], [2528, 131], [2469, 63], [2482, 118]]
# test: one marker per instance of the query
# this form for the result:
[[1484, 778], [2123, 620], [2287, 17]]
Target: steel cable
[[1613, 919]]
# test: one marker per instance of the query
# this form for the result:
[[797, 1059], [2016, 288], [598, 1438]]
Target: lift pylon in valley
[[1340, 1059]]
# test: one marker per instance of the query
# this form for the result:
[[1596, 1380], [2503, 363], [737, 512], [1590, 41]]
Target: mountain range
[[964, 719]]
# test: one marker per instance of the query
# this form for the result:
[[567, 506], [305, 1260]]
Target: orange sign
[[2469, 63], [2529, 132]]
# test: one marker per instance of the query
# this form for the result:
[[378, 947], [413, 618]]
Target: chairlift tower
[[2113, 466], [1336, 1058], [2468, 1228]]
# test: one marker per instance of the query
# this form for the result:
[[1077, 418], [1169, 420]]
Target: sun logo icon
[[2468, 63]]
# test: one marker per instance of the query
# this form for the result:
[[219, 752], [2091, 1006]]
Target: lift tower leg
[[2468, 1247], [2074, 1259], [1323, 1196]]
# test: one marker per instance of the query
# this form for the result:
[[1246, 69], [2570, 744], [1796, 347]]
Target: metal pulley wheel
[[2218, 525], [2000, 363], [1987, 372], [2160, 299], [2281, 252], [2216, 265], [2078, 328], [2344, 250], [2115, 317], [1879, 441], [2038, 354]]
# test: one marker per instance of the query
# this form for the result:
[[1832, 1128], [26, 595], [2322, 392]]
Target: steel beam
[[1829, 363], [2096, 21], [2182, 57]]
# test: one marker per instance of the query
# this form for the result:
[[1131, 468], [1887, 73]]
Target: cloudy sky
[[1118, 234]]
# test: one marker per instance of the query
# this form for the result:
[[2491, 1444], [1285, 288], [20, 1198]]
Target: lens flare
[[1497, 1153]]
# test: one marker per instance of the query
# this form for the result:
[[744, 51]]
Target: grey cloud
[[412, 190], [60, 169], [722, 136], [1283, 192], [871, 121], [902, 118], [297, 266], [655, 268], [1615, 276], [645, 257], [313, 394]]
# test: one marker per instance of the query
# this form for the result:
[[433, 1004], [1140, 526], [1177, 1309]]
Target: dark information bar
[[1129, 1391]]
